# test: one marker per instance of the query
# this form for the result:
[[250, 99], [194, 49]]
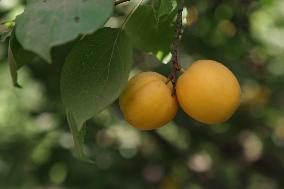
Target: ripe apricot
[[208, 92], [147, 103]]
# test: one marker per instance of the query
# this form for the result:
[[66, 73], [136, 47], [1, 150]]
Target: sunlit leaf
[[47, 23]]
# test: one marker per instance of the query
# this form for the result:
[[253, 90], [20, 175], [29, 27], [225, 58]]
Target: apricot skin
[[208, 92], [147, 103]]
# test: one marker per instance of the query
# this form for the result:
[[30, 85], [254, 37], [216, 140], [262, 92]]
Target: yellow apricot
[[147, 103], [208, 92]]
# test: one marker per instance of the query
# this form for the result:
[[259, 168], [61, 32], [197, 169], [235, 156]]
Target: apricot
[[208, 92], [147, 102]]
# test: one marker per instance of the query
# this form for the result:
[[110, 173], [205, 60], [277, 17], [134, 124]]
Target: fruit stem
[[176, 67], [120, 1]]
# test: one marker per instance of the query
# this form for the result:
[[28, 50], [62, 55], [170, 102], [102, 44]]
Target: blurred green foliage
[[246, 152]]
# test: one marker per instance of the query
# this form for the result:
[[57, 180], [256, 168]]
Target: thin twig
[[176, 67], [120, 1]]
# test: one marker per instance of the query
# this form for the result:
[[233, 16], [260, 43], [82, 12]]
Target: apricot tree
[[96, 69]]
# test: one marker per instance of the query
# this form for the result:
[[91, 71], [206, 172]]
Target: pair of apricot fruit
[[207, 91]]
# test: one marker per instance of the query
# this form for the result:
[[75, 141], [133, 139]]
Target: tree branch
[[120, 1], [176, 67]]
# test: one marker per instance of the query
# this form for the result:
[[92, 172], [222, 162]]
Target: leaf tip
[[17, 85]]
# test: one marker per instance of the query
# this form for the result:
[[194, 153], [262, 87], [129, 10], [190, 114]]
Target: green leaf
[[163, 7], [149, 33], [13, 67], [48, 23], [17, 57], [78, 137], [4, 29], [4, 36], [95, 72], [5, 32], [21, 56]]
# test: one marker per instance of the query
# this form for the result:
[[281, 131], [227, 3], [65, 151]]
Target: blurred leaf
[[148, 33], [4, 29], [5, 32], [267, 26], [45, 24], [95, 72], [5, 36]]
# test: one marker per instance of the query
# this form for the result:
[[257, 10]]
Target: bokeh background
[[246, 152]]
